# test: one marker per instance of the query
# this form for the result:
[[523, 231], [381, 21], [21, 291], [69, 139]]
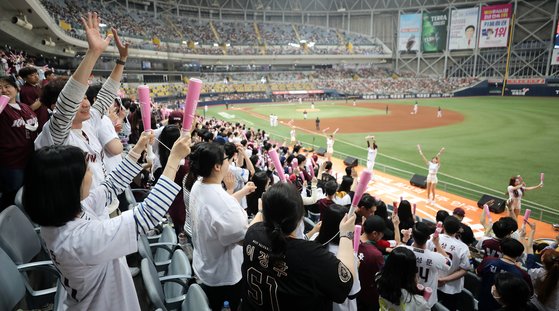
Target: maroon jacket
[[16, 145]]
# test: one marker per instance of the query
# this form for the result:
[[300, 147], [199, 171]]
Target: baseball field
[[487, 139]]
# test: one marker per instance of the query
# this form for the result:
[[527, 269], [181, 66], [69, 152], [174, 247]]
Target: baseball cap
[[175, 117], [459, 212], [374, 223]]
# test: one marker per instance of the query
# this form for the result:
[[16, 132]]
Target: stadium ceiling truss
[[530, 55]]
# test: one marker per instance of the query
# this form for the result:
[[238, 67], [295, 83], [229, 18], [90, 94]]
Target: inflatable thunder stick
[[145, 108], [363, 182], [4, 100], [438, 230], [527, 214], [277, 164], [356, 235], [192, 97]]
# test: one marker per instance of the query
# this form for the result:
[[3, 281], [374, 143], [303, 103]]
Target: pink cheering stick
[[527, 214], [427, 292], [487, 214], [192, 97], [414, 207], [438, 230], [356, 235], [4, 100], [294, 163], [145, 108], [395, 211], [363, 182], [277, 164]]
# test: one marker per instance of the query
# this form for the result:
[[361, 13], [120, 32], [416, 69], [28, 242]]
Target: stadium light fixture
[[341, 10], [21, 21], [48, 42]]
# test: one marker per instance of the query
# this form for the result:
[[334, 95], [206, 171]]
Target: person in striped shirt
[[86, 246], [75, 120]]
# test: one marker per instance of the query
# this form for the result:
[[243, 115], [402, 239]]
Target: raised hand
[[96, 42], [122, 48]]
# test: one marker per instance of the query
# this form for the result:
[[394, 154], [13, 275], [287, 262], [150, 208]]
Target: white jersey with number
[[458, 253], [429, 265]]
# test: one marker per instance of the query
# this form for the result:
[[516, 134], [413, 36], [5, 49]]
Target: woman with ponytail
[[218, 226], [281, 272]]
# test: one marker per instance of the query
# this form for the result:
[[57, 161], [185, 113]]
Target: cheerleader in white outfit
[[516, 190], [432, 179], [372, 151], [330, 143]]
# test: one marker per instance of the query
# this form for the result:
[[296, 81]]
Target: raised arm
[[440, 153], [73, 92], [370, 140], [421, 154], [534, 187], [150, 212], [108, 92]]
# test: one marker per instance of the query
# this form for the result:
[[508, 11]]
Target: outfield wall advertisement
[[409, 34], [433, 36], [463, 29], [494, 26]]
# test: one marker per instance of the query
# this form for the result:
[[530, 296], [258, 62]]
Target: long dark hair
[[512, 182], [167, 138], [260, 180], [346, 183], [513, 291], [203, 159], [282, 208], [405, 214], [399, 273], [544, 288], [52, 185], [331, 218]]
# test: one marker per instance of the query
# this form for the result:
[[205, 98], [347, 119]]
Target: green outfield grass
[[499, 137]]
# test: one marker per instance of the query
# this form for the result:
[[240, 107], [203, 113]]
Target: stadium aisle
[[390, 188]]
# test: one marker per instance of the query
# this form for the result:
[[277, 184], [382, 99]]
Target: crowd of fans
[[168, 32]]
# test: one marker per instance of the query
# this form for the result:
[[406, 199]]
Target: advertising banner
[[463, 29], [410, 32], [494, 26], [555, 57], [433, 36]]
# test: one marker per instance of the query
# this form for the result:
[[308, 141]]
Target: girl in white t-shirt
[[516, 189], [432, 179]]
